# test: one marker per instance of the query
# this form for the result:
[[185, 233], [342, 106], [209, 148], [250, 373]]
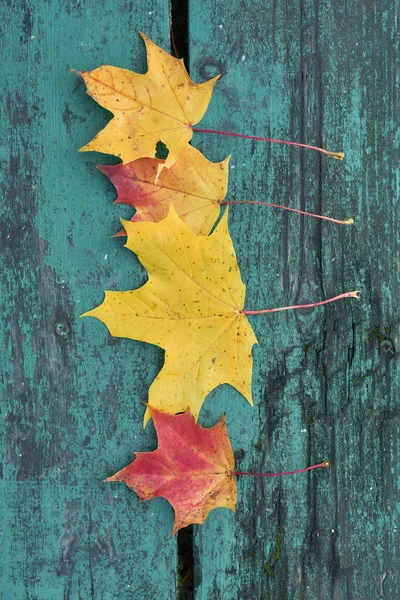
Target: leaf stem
[[271, 310], [324, 464], [295, 210], [338, 155]]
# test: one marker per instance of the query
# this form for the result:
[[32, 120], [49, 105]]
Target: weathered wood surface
[[71, 393], [325, 381]]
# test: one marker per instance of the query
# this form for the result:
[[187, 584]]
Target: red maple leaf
[[191, 468]]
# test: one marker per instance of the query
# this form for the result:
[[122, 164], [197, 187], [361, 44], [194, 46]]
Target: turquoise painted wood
[[326, 381], [70, 393]]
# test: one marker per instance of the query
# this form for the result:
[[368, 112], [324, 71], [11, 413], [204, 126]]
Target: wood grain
[[71, 394], [326, 381]]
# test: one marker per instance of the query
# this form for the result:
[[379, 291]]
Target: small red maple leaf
[[191, 468]]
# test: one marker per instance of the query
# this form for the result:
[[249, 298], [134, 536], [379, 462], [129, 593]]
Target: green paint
[[297, 71], [309, 436], [71, 396]]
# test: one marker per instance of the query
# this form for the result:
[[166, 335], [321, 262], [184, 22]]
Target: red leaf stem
[[271, 310], [295, 210], [338, 155], [324, 464]]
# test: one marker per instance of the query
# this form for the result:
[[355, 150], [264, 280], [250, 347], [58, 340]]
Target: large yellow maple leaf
[[191, 306], [160, 105]]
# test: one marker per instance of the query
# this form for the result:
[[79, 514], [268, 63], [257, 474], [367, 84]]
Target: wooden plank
[[326, 380], [71, 393]]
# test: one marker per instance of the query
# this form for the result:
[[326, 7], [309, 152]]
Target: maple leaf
[[160, 105], [191, 306], [194, 184], [191, 468]]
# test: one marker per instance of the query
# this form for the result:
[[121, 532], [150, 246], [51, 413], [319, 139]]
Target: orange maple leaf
[[160, 105], [195, 185], [191, 468]]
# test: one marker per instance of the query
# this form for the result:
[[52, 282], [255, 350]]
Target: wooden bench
[[326, 380]]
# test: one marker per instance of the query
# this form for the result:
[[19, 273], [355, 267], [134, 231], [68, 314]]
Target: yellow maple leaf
[[195, 185], [191, 306], [160, 105]]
